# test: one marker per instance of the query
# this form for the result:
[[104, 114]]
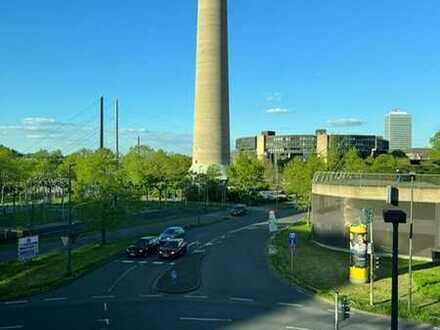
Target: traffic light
[[345, 307], [377, 262]]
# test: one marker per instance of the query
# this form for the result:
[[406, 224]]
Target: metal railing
[[362, 179]]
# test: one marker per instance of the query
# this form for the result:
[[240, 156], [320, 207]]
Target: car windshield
[[170, 231]]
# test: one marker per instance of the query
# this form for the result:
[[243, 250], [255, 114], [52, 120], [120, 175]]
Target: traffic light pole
[[410, 244], [337, 310], [371, 265], [395, 274]]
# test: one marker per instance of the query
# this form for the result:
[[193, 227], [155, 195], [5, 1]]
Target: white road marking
[[196, 297], [55, 299], [204, 319], [193, 243], [16, 302], [119, 279], [330, 310], [209, 244], [241, 299], [105, 307], [296, 328], [291, 305], [127, 261], [12, 327], [150, 295], [106, 321], [103, 297], [199, 251], [157, 262], [171, 263]]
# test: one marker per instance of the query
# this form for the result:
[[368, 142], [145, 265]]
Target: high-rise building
[[211, 113], [398, 130]]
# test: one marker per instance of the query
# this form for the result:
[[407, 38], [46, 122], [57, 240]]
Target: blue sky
[[295, 66]]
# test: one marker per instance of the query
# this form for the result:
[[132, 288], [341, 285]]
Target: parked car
[[238, 210], [144, 246], [172, 248], [172, 232]]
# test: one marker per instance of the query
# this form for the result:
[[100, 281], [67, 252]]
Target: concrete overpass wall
[[335, 207]]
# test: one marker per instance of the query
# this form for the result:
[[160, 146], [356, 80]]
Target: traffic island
[[321, 271], [183, 277]]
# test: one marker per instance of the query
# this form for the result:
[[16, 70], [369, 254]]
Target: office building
[[398, 130]]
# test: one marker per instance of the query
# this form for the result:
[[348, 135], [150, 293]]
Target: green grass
[[19, 279], [323, 271]]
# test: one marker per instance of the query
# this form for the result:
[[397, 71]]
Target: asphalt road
[[238, 291]]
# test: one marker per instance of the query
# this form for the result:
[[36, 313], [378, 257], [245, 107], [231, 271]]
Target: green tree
[[384, 163], [246, 176], [98, 180], [352, 162], [297, 178], [435, 144]]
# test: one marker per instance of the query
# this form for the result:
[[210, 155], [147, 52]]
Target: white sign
[[65, 240], [28, 247], [273, 223]]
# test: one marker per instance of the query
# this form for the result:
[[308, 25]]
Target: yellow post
[[358, 254]]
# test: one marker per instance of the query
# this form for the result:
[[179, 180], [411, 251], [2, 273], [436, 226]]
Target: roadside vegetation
[[323, 271], [18, 279]]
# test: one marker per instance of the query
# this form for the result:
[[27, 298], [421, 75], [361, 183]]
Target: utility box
[[436, 256]]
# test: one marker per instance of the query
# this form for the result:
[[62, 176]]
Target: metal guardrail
[[361, 179]]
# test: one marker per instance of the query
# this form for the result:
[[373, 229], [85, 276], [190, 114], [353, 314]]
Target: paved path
[[238, 291]]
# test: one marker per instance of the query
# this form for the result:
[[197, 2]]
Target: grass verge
[[45, 273], [322, 271]]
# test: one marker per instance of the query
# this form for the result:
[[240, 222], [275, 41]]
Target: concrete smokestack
[[211, 113]]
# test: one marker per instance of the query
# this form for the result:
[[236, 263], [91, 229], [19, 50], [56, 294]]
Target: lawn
[[19, 279], [323, 271]]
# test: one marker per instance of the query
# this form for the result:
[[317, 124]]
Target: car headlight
[[172, 252]]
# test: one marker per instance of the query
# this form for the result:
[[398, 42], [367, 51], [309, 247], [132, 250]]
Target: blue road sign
[[292, 240]]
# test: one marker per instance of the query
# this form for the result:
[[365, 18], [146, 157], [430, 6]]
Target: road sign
[[27, 247], [173, 275], [65, 240], [273, 223], [292, 240]]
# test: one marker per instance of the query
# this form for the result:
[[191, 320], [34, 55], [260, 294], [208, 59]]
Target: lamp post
[[69, 215]]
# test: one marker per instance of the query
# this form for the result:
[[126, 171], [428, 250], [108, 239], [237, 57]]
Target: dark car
[[238, 210], [172, 248], [172, 232], [145, 246]]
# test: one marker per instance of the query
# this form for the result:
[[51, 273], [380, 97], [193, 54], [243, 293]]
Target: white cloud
[[274, 97], [277, 110], [345, 122]]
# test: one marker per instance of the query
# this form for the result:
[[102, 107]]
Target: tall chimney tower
[[211, 113]]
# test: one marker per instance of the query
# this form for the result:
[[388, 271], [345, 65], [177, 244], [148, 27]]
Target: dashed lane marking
[[204, 319], [196, 297], [143, 262], [14, 302], [157, 262], [296, 328], [151, 295], [128, 261], [119, 279], [290, 305], [103, 297], [241, 299], [12, 327], [55, 299]]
